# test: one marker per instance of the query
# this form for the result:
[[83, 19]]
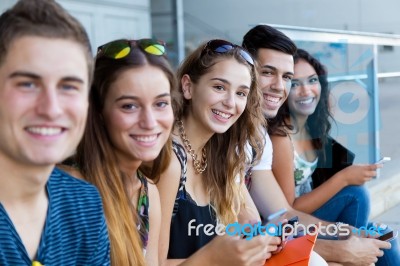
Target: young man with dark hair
[[274, 53], [46, 216]]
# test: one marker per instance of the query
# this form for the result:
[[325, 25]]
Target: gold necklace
[[199, 167]]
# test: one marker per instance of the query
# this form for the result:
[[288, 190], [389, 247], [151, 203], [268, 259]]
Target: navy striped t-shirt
[[75, 232]]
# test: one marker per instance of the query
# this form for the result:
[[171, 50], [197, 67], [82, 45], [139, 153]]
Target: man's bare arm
[[353, 251], [269, 198]]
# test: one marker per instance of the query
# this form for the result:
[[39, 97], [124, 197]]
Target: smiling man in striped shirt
[[46, 216]]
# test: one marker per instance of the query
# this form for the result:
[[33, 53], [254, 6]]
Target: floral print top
[[143, 211], [302, 174]]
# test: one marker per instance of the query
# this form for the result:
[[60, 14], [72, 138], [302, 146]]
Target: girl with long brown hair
[[129, 121], [203, 185]]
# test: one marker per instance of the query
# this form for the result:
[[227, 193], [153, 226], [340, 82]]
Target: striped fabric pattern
[[75, 232]]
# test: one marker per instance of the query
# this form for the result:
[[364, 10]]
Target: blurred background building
[[229, 19]]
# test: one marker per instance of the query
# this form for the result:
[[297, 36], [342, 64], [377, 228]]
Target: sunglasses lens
[[247, 57], [221, 47], [116, 50], [124, 52], [155, 49], [122, 48], [152, 47]]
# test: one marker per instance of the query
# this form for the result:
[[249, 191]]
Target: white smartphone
[[384, 160]]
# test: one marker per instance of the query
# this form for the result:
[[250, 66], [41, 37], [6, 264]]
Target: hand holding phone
[[292, 221], [274, 218], [388, 236], [287, 226]]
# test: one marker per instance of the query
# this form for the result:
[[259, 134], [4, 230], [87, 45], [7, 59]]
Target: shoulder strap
[[181, 154]]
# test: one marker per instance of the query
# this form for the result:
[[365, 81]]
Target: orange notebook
[[296, 252]]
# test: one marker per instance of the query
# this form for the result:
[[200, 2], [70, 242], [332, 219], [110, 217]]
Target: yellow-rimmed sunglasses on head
[[122, 48]]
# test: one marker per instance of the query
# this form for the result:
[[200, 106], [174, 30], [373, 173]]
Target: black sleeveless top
[[181, 244]]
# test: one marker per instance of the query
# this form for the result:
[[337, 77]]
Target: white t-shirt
[[265, 162]]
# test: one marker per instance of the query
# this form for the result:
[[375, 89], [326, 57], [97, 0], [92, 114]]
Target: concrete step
[[385, 194]]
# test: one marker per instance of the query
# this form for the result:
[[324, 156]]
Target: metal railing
[[370, 78]]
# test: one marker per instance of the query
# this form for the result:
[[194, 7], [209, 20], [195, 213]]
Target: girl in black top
[[203, 185]]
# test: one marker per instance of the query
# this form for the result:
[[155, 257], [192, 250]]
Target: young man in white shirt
[[274, 53]]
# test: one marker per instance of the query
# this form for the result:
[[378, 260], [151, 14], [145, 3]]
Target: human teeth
[[145, 138], [308, 101], [224, 115], [271, 98], [45, 131]]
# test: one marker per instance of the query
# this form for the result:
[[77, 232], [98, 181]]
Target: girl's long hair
[[318, 124], [226, 152], [98, 163]]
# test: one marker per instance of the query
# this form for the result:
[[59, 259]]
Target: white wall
[[105, 20]]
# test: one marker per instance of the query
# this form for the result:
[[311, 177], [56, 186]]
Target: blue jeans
[[350, 206], [391, 256]]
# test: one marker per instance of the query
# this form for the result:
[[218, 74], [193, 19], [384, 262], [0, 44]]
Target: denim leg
[[391, 256], [350, 205]]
